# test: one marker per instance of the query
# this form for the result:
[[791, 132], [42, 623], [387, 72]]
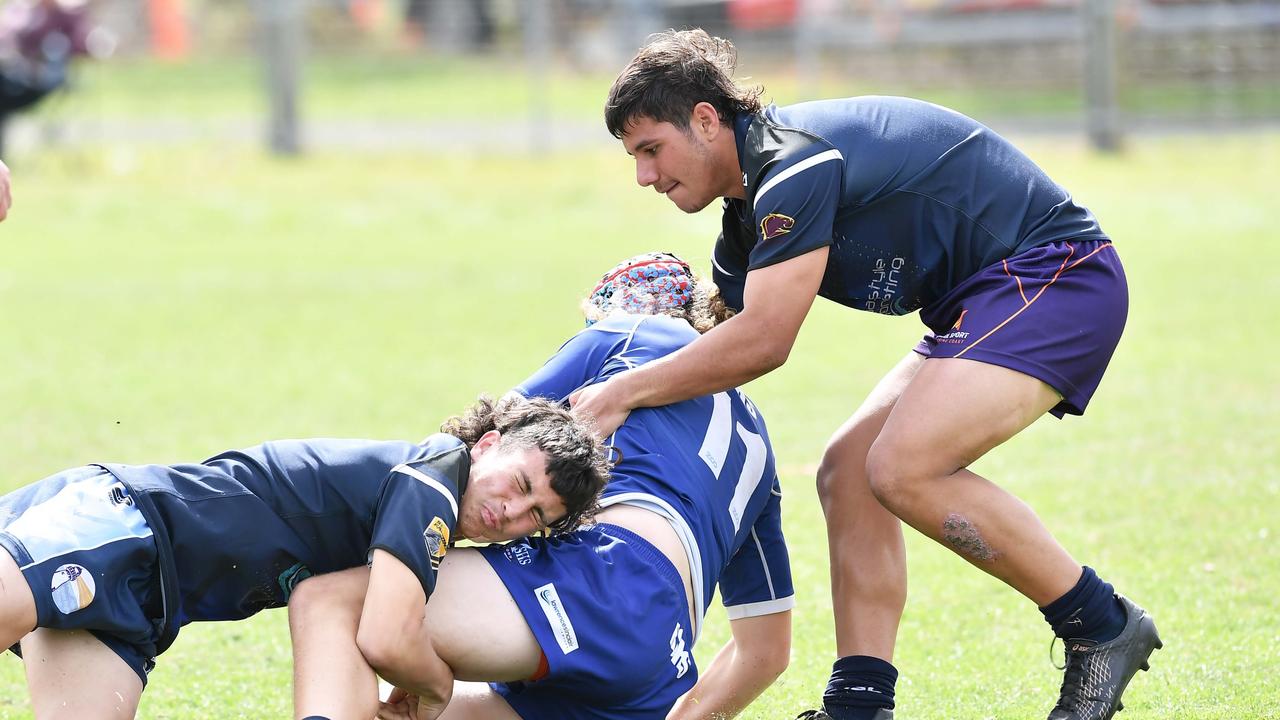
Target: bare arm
[[6, 198], [754, 657], [757, 340], [393, 633]]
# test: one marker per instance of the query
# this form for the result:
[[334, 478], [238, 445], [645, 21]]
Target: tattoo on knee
[[963, 536]]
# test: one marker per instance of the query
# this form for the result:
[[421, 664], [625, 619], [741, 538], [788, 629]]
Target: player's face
[[509, 494], [677, 163]]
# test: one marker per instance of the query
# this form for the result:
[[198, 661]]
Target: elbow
[[773, 357], [385, 652]]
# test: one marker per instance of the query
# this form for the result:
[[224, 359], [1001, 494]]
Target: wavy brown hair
[[673, 72], [576, 460]]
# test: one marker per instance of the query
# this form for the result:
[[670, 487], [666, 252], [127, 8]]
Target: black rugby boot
[[1097, 673], [881, 714]]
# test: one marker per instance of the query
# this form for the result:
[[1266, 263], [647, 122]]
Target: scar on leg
[[961, 534]]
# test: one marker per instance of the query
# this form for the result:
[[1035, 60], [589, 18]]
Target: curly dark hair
[[576, 461], [672, 73]]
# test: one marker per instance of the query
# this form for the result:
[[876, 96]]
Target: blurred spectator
[[476, 21], [38, 39]]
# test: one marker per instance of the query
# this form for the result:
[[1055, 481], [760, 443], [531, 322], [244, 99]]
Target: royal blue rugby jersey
[[706, 464], [912, 198], [237, 532]]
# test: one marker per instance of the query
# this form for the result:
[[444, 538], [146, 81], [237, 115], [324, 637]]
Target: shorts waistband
[[650, 553]]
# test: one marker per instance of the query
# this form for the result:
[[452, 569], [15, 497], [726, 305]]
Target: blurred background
[[237, 220], [530, 75]]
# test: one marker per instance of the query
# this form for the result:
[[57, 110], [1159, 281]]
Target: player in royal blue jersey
[[105, 563], [893, 205], [600, 624]]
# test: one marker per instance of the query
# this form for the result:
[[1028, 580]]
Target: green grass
[[161, 305]]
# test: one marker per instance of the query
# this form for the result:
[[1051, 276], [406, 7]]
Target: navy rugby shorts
[[609, 611], [89, 558], [1053, 312]]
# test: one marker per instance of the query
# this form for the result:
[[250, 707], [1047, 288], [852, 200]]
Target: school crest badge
[[436, 537], [72, 588]]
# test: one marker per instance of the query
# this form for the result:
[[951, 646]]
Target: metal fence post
[[280, 38], [537, 43], [1103, 115]]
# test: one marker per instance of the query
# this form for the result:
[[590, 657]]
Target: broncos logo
[[775, 225]]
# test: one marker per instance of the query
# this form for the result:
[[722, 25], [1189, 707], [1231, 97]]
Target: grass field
[[165, 304]]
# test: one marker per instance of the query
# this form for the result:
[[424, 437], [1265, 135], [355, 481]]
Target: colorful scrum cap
[[644, 284]]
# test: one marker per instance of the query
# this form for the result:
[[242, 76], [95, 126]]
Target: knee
[[842, 472], [317, 600], [893, 475]]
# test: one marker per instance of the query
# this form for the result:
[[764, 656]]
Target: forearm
[[733, 354], [727, 687], [412, 664], [393, 634]]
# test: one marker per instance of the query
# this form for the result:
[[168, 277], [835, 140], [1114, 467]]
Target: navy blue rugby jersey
[[913, 198], [706, 464], [238, 531]]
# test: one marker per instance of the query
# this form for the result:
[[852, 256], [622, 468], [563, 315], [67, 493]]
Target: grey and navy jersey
[[706, 464], [250, 524], [911, 197]]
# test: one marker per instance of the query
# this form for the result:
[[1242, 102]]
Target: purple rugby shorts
[[1053, 312]]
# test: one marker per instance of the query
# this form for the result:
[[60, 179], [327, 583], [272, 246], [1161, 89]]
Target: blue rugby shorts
[[610, 613], [89, 558]]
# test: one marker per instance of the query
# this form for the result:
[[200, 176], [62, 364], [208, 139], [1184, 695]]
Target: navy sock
[[1088, 611], [859, 686]]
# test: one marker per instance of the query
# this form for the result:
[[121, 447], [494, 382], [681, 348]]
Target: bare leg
[[951, 413], [72, 675], [475, 627], [330, 676], [868, 557], [475, 701], [17, 606]]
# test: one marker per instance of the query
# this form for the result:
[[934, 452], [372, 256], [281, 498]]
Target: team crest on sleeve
[[436, 537], [72, 588], [775, 225]]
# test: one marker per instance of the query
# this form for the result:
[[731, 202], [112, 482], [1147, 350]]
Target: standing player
[[105, 563], [600, 623], [893, 205]]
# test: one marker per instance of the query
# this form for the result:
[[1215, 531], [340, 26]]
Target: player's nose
[[646, 175]]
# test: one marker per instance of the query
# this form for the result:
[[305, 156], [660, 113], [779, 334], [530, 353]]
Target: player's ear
[[705, 120], [487, 442]]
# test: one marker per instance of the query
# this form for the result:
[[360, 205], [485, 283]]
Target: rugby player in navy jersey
[[105, 563], [893, 205], [600, 624]]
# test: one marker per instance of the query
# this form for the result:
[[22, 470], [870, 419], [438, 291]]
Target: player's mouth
[[669, 188], [490, 520]]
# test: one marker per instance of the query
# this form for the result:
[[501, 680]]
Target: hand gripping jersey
[[912, 198], [236, 533], [704, 464]]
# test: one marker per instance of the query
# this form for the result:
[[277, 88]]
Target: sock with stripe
[[860, 685]]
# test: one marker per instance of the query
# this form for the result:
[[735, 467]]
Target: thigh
[[477, 701], [17, 604], [72, 674], [475, 625], [954, 411], [847, 449]]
